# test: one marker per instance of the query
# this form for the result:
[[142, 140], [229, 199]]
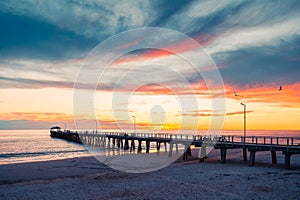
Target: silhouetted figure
[[280, 88]]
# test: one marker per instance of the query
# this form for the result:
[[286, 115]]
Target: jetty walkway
[[137, 142]]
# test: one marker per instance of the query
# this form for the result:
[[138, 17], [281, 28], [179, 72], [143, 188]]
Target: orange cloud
[[238, 113], [34, 116], [198, 88], [289, 96], [126, 45], [178, 47], [210, 113]]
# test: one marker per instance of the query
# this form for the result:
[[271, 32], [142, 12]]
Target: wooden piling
[[147, 146], [165, 143], [132, 146], [171, 149], [157, 146], [223, 155], [252, 157], [126, 144], [118, 143], [274, 159], [139, 146], [184, 156], [245, 154], [121, 142], [287, 160], [202, 153], [189, 151]]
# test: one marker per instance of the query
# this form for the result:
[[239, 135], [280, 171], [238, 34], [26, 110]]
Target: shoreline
[[86, 177]]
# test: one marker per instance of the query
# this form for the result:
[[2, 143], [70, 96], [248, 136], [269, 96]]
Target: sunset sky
[[255, 46]]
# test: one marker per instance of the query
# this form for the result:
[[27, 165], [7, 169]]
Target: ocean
[[19, 146]]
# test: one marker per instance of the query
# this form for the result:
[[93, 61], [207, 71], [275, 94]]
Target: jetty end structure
[[56, 132], [141, 143]]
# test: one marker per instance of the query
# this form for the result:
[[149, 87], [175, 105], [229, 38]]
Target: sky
[[254, 46]]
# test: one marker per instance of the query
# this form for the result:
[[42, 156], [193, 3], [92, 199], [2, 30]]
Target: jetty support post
[[132, 146], [170, 149], [118, 143], [274, 159], [158, 146], [223, 155], [245, 154], [147, 146], [139, 146], [202, 153], [165, 144], [187, 152], [252, 157], [287, 160], [126, 144]]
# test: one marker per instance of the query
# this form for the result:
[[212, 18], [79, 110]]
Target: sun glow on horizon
[[55, 106]]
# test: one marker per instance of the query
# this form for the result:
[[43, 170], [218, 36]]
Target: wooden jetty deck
[[127, 142], [287, 145]]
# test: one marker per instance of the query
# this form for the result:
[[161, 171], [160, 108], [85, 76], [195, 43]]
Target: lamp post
[[96, 125], [244, 119], [244, 149], [134, 123]]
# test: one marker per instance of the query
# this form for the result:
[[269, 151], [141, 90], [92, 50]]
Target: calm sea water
[[19, 146]]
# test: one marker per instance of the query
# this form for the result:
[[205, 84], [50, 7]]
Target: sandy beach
[[87, 178]]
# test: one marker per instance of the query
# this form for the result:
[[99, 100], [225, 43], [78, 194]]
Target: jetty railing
[[126, 142], [261, 140]]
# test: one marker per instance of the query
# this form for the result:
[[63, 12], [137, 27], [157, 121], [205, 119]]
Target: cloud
[[268, 94], [36, 116], [254, 44], [237, 24], [211, 113], [92, 19], [28, 73], [23, 125], [260, 66], [32, 83], [263, 35], [199, 16], [226, 29], [42, 120], [25, 37], [238, 112]]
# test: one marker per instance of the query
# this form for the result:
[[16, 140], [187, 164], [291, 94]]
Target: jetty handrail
[[261, 140], [258, 140]]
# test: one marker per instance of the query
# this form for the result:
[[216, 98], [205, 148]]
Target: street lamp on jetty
[[243, 104], [245, 128], [134, 124], [244, 149]]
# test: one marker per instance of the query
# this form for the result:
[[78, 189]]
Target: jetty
[[144, 142], [68, 135]]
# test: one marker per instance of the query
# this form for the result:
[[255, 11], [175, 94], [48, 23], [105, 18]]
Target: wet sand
[[87, 178]]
